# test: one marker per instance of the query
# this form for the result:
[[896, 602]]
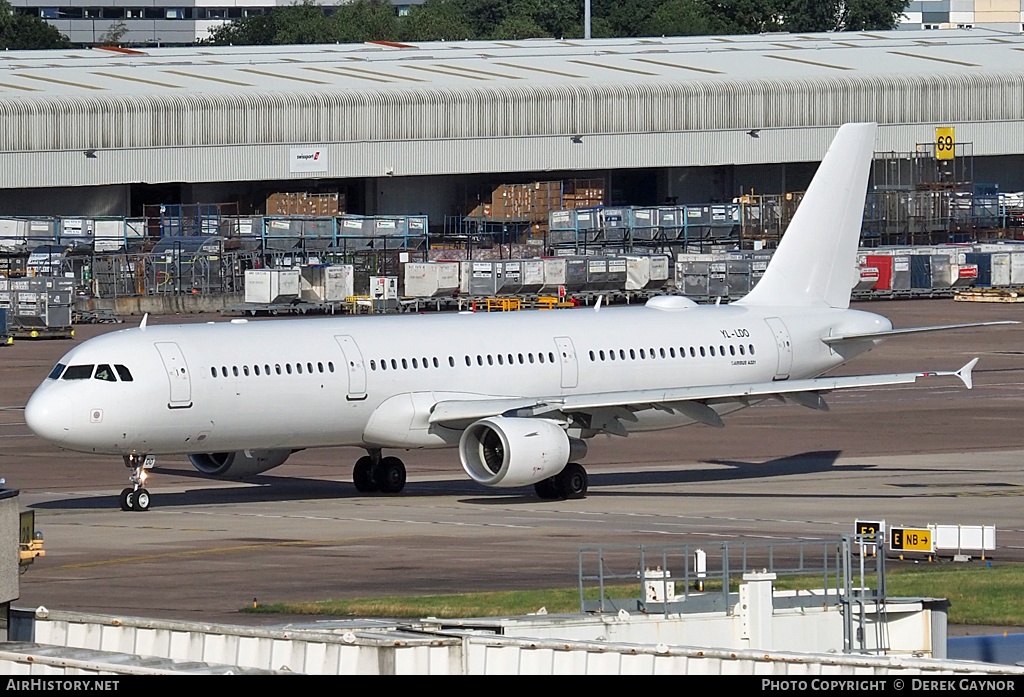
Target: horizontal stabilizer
[[903, 332]]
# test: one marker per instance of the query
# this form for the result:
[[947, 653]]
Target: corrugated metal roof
[[457, 64], [231, 113]]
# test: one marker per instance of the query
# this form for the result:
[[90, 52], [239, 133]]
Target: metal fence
[[129, 274], [666, 578]]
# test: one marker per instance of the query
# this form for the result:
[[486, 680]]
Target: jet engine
[[505, 452], [238, 465]]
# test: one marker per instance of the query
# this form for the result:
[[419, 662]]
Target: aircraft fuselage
[[371, 382]]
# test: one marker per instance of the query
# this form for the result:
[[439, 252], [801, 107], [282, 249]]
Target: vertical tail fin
[[815, 261]]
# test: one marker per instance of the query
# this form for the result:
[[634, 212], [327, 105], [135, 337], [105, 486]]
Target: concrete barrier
[[165, 304]]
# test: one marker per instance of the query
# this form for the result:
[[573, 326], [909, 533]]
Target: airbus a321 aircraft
[[518, 394]]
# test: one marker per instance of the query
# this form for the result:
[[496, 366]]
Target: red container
[[884, 266]]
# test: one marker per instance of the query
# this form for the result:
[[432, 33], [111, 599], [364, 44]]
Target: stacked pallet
[[583, 193], [303, 203]]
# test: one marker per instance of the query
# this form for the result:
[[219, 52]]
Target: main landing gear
[[570, 483], [375, 473], [135, 497]]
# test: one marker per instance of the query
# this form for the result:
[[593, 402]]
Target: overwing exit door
[[567, 358]]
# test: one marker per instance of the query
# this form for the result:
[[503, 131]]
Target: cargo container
[[737, 277], [511, 281], [1000, 266], [1017, 269], [644, 223], [327, 284], [533, 276], [554, 274], [39, 302], [921, 272], [884, 266], [484, 277], [983, 260], [576, 274], [647, 272], [901, 272], [431, 279], [966, 276], [718, 281], [692, 277], [941, 271], [867, 278], [266, 286]]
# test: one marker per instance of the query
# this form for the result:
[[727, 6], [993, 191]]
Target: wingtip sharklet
[[965, 374]]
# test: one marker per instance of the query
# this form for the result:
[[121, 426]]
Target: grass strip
[[980, 595]]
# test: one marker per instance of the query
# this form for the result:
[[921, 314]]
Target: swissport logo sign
[[308, 159]]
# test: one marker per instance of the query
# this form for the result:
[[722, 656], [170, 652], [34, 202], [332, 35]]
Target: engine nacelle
[[505, 452], [238, 465]]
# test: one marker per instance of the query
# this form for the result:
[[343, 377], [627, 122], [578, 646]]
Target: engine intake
[[238, 465], [505, 452]]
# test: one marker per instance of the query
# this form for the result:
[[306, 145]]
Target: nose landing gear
[[136, 497]]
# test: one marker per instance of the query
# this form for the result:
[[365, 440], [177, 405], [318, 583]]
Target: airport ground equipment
[[38, 306]]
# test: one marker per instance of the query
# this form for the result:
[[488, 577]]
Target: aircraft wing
[[694, 402], [902, 332]]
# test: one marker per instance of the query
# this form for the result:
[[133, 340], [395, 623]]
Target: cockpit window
[[78, 372], [104, 372], [123, 373], [57, 370]]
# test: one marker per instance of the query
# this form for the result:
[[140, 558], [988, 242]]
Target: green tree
[[365, 20], [436, 20], [484, 15], [516, 27], [557, 18], [621, 17], [302, 23], [684, 18], [749, 16], [18, 31], [842, 15]]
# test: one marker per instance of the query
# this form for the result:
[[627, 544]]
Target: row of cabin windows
[[480, 359], [694, 351], [286, 369]]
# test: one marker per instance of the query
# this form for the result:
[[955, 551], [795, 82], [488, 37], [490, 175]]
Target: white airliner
[[519, 394]]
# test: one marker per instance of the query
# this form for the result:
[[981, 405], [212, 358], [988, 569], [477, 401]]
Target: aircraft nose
[[49, 417]]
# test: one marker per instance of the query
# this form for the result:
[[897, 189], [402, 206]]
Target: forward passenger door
[[354, 367], [177, 374]]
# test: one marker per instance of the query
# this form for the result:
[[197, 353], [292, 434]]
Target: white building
[[153, 22], [1005, 15], [413, 127]]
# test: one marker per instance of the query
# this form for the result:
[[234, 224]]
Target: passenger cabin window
[[105, 372], [57, 370], [78, 372]]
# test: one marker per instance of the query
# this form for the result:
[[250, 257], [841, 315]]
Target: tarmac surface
[[933, 452]]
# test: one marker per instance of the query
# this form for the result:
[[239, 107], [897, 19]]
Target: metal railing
[[849, 574]]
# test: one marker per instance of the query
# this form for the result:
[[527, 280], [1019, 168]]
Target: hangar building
[[422, 128]]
